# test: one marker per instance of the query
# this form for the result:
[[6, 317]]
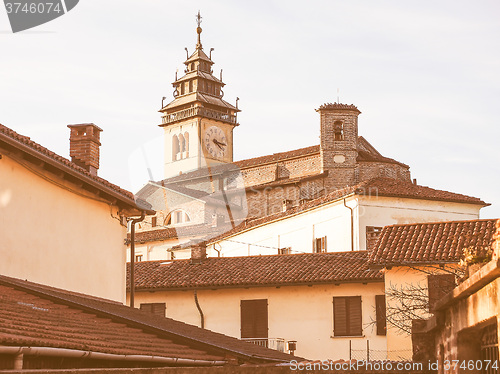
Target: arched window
[[177, 216], [182, 144], [186, 142], [338, 130], [182, 88], [175, 148]]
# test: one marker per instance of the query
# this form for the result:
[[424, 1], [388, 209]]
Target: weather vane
[[198, 19]]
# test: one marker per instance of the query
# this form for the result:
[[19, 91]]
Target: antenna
[[211, 49], [338, 95], [187, 53]]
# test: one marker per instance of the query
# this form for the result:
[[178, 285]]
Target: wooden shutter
[[347, 318], [157, 309], [439, 285], [355, 320], [339, 316], [380, 314], [254, 319]]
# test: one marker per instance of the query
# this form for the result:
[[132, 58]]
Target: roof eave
[[74, 173]]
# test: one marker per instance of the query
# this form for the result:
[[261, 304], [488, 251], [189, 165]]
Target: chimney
[[218, 220], [372, 236], [84, 146], [198, 252]]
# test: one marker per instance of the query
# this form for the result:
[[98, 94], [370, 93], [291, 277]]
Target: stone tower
[[198, 123], [339, 144]]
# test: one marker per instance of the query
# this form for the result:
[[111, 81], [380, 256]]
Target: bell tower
[[198, 124], [339, 144]]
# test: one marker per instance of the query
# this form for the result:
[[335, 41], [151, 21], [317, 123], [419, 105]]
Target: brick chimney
[[198, 253], [372, 236], [84, 146]]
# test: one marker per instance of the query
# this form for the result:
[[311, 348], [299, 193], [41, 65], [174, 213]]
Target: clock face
[[215, 142]]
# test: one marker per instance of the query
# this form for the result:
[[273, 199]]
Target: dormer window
[[338, 131]]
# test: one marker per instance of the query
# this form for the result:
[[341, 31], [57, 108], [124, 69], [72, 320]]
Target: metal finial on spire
[[198, 30], [198, 18]]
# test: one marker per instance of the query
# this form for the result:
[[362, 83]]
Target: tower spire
[[199, 30]]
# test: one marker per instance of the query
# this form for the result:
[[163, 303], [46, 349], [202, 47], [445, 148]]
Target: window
[[319, 245], [190, 86], [175, 148], [285, 251], [153, 222], [138, 258], [157, 309], [176, 216], [347, 316], [186, 144], [182, 88], [338, 130], [380, 314], [254, 319], [439, 285]]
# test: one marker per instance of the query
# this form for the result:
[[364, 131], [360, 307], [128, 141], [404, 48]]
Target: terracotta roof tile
[[248, 271], [441, 242], [36, 315], [338, 106], [26, 141]]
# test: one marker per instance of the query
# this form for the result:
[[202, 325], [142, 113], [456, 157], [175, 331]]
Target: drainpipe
[[75, 353], [352, 225], [202, 317], [132, 257]]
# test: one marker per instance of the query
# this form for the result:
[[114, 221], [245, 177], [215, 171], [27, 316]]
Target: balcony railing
[[198, 111], [278, 344]]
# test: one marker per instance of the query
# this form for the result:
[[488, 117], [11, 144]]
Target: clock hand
[[217, 143]]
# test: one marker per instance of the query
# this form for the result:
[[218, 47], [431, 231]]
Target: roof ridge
[[26, 141]]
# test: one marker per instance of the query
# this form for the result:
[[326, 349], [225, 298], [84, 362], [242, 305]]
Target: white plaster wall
[[300, 313], [297, 232], [383, 211], [173, 168], [53, 236]]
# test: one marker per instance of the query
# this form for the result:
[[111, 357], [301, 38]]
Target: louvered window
[[154, 308], [347, 319], [380, 314], [254, 319], [439, 285]]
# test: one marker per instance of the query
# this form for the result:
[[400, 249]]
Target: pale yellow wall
[[52, 236], [299, 313], [402, 277]]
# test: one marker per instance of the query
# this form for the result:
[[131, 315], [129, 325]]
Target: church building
[[206, 193]]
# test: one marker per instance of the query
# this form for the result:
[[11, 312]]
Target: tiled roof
[[177, 232], [426, 243], [374, 187], [24, 142], [275, 157], [338, 106], [36, 315], [255, 271], [397, 188]]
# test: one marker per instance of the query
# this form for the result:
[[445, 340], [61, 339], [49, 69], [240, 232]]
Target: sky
[[424, 74]]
